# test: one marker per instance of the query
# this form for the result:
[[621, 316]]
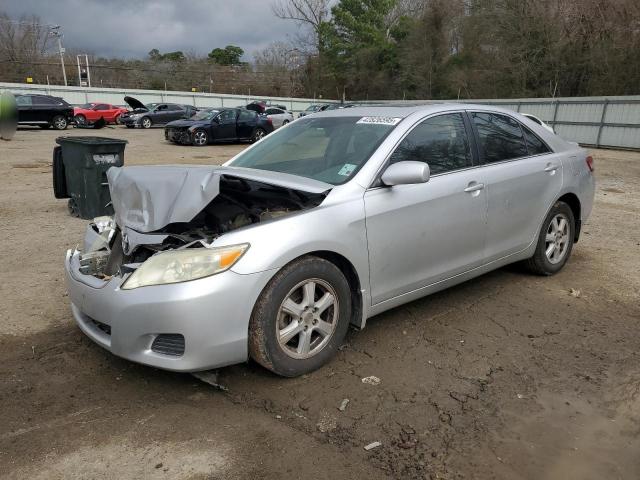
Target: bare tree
[[308, 13]]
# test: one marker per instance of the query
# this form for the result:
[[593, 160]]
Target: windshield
[[312, 108], [329, 149], [151, 106], [205, 115]]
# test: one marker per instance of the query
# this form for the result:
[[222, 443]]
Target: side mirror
[[405, 173]]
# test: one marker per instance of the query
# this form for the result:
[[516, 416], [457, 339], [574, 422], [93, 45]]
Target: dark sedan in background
[[219, 125], [145, 116], [43, 111]]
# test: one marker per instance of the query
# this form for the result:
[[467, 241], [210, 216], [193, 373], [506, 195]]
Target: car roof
[[403, 111]]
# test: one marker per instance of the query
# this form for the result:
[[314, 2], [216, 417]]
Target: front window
[[330, 149]]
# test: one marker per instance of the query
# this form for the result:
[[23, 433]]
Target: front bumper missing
[[178, 136], [212, 314]]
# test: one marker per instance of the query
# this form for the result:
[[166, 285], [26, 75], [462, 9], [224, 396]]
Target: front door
[[226, 130], [424, 233], [524, 177]]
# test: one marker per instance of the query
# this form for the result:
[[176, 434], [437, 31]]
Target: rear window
[[500, 137]]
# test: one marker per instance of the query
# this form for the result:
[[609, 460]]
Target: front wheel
[[145, 122], [59, 122], [80, 119], [257, 135], [200, 138], [301, 317], [555, 241]]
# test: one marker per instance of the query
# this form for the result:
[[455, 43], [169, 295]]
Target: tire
[[257, 134], [200, 138], [145, 122], [117, 120], [80, 119], [59, 122], [326, 330], [555, 241], [285, 122]]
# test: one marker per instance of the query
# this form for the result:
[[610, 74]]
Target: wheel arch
[[573, 201]]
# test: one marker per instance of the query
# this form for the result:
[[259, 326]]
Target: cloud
[[130, 28]]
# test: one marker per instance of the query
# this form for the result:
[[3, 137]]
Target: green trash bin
[[80, 167]]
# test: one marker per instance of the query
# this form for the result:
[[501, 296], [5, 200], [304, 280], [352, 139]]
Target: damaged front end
[[172, 209]]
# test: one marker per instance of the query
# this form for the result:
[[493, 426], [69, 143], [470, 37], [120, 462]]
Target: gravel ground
[[507, 376]]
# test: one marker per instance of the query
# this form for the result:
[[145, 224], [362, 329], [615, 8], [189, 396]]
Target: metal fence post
[[555, 114], [600, 127]]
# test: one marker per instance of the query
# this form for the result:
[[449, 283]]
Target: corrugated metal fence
[[593, 121]]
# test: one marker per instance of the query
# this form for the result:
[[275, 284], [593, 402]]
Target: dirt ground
[[508, 376]]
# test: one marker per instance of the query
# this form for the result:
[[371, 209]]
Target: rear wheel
[[301, 317], [200, 138], [117, 120], [59, 122], [145, 122], [285, 122], [257, 135], [555, 241]]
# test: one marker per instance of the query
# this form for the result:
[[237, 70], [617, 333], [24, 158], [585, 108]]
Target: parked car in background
[[318, 107], [278, 116], [43, 111], [533, 118], [90, 112], [323, 224], [219, 125], [261, 106], [145, 116]]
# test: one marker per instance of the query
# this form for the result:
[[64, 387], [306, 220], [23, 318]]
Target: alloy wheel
[[200, 138], [146, 123], [557, 238], [307, 318], [60, 123]]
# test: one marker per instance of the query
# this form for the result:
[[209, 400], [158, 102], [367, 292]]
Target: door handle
[[474, 187], [551, 168]]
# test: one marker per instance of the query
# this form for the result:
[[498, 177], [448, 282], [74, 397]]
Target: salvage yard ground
[[507, 376]]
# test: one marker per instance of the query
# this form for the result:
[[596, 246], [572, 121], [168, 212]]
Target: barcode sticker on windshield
[[380, 120], [347, 169]]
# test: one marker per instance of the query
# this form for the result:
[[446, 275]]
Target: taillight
[[590, 163]]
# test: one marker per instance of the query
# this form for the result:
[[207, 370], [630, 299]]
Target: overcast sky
[[130, 28]]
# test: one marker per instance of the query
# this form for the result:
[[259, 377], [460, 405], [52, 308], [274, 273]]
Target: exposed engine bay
[[115, 249]]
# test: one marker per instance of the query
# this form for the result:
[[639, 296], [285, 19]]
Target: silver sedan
[[278, 116], [330, 221]]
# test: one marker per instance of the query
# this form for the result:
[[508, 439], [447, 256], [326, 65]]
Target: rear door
[[175, 112], [44, 108], [523, 176], [247, 122], [422, 234]]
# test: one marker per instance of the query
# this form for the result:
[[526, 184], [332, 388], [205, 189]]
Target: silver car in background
[[330, 221], [278, 116]]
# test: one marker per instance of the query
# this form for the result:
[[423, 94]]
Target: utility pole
[[54, 31]]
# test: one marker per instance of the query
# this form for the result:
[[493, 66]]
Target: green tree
[[229, 55]]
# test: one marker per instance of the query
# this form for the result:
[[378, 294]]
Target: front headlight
[[183, 265]]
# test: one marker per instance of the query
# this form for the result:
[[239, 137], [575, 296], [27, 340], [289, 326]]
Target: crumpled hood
[[148, 198]]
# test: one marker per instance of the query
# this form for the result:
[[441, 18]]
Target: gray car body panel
[[403, 242]]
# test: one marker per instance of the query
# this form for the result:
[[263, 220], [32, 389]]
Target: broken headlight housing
[[183, 265]]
